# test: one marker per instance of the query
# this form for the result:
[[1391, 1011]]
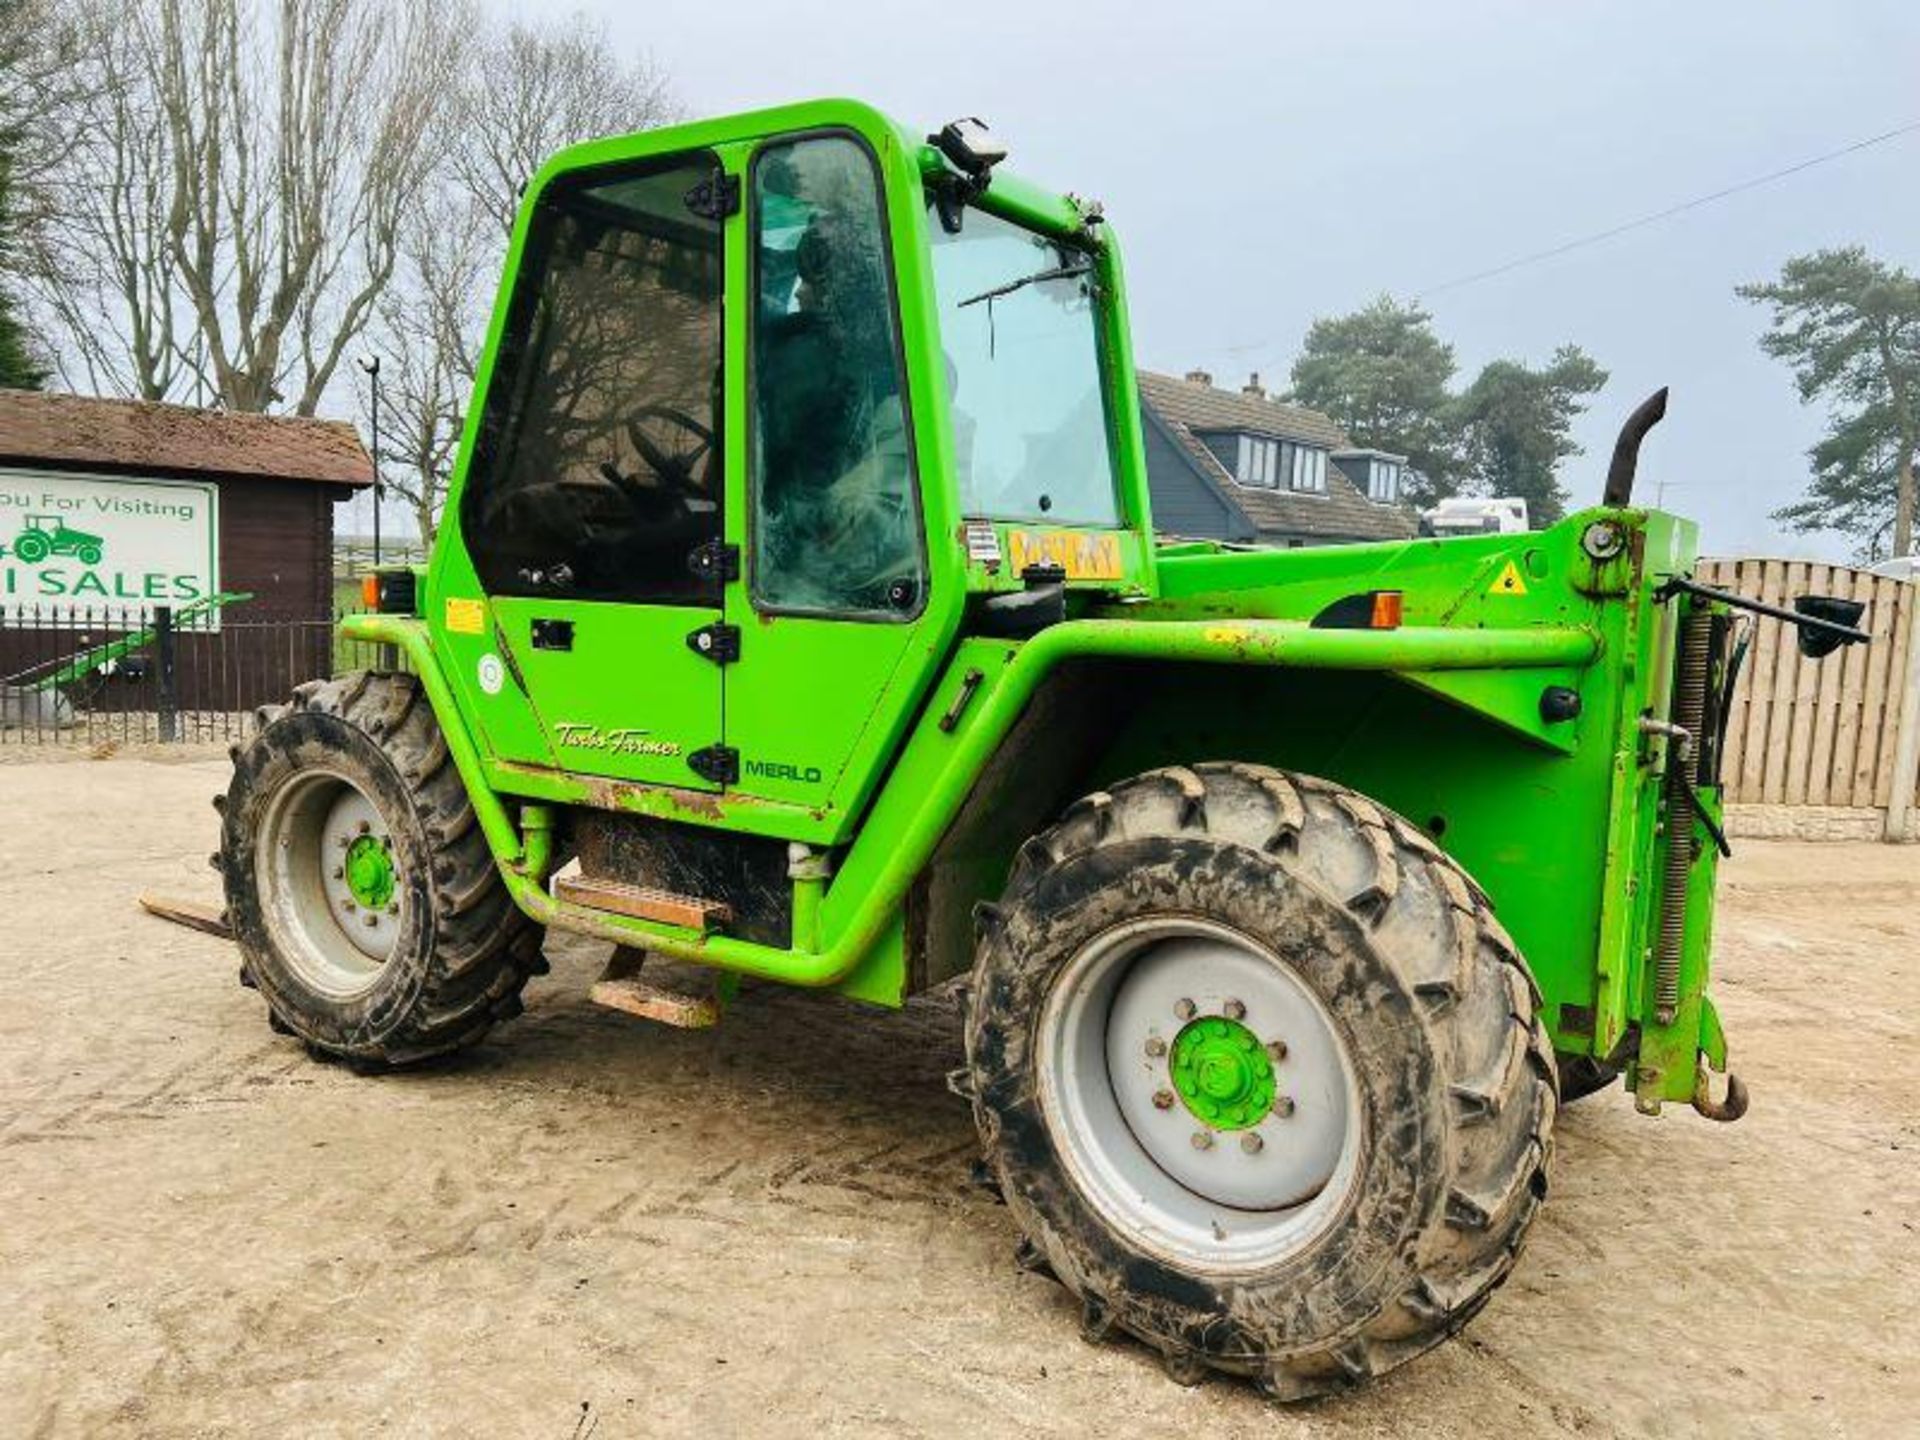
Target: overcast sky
[[1264, 164]]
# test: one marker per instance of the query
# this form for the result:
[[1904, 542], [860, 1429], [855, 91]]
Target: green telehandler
[[798, 612]]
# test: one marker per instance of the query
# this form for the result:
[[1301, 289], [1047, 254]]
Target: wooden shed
[[121, 519], [276, 480]]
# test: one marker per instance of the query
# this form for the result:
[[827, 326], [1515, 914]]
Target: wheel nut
[[1203, 1139], [1184, 1009], [1234, 1010], [339, 872], [1283, 1105], [1277, 1049], [1156, 1046], [366, 827], [1163, 1099], [372, 920], [344, 841], [347, 905], [1252, 1143], [394, 908]]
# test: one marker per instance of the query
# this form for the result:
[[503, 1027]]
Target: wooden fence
[[1821, 732]]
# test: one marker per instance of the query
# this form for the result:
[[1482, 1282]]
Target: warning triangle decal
[[1509, 582]]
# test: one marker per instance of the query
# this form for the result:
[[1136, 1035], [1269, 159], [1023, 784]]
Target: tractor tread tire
[[1477, 1142], [475, 949]]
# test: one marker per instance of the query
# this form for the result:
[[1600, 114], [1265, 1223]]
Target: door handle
[[552, 634]]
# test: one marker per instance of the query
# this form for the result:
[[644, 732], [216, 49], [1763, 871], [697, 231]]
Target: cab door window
[[836, 526], [598, 470]]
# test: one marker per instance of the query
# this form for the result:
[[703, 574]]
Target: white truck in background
[[1463, 515]]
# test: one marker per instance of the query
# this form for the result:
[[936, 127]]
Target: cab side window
[[598, 468], [835, 525]]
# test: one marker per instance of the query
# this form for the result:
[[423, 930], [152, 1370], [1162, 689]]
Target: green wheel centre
[[369, 873], [1222, 1073]]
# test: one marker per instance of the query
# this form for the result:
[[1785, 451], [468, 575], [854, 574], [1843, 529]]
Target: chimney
[[1253, 387], [1199, 377]]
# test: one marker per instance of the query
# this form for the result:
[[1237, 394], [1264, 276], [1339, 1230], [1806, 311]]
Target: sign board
[[86, 547]]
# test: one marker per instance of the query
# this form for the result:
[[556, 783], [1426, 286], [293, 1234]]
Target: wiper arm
[[1059, 272]]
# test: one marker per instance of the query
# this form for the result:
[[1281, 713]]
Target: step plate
[[652, 1002], [641, 902]]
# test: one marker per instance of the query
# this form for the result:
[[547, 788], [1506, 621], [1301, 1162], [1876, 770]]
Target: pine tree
[[1849, 325]]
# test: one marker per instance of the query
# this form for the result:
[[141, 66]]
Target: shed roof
[[139, 437]]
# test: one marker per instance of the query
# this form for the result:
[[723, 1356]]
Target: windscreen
[[1017, 323]]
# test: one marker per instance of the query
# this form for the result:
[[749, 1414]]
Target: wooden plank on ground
[[190, 913]]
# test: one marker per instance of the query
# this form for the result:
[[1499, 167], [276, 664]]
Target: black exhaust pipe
[[1626, 450]]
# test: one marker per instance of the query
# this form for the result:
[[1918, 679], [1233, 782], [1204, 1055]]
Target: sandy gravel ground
[[596, 1227]]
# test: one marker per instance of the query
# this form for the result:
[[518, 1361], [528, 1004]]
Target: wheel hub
[[1222, 1073], [369, 870], [1201, 1091], [329, 883]]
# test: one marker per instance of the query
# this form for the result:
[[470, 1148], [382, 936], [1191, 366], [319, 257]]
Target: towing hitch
[[1725, 1110]]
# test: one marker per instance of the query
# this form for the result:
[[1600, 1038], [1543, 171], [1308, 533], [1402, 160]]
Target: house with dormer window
[[1240, 465]]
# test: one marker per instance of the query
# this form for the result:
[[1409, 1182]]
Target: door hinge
[[715, 560], [718, 642], [719, 764], [716, 197]]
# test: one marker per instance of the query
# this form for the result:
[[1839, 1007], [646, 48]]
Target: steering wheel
[[675, 471]]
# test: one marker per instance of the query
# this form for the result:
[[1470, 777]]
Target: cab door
[[836, 634], [594, 507]]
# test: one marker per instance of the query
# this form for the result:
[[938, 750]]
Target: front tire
[[365, 902], [1271, 938]]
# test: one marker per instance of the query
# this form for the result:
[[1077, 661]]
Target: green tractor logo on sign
[[46, 535]]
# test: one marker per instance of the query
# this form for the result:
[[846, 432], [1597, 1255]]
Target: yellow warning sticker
[[1082, 556], [1509, 582], [466, 617]]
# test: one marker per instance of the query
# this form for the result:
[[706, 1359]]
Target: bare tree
[[95, 212], [533, 89], [426, 327], [233, 179], [526, 91]]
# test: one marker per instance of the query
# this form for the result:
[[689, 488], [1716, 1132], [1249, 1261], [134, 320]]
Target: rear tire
[[1391, 983], [394, 939]]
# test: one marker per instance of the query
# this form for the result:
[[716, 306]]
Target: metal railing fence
[[148, 675]]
